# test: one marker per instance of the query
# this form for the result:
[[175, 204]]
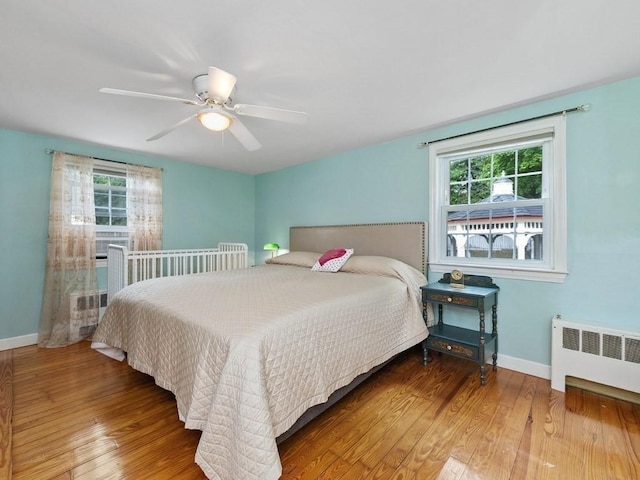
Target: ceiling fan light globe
[[214, 121]]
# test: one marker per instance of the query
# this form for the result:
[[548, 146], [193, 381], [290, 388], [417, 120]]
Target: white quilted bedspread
[[246, 352]]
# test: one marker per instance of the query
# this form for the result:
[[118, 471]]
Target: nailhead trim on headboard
[[325, 237]]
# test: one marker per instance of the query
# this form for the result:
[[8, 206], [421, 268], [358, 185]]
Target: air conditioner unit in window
[[104, 239]]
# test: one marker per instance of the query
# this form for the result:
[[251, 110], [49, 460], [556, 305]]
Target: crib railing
[[125, 267]]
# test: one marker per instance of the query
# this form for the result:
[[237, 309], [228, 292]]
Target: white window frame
[[104, 166], [553, 268]]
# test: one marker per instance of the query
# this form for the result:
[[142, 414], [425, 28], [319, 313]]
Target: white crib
[[125, 267]]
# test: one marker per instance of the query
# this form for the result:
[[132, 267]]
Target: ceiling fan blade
[[171, 128], [220, 84], [244, 136], [269, 113], [153, 96]]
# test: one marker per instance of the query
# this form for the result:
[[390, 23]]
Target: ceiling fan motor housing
[[200, 86]]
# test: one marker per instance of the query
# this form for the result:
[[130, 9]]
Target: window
[[498, 202], [110, 196]]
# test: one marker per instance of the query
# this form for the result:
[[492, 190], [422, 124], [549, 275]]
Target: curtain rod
[[50, 151], [579, 108]]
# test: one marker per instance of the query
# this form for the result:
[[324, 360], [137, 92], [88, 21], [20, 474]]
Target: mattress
[[247, 352]]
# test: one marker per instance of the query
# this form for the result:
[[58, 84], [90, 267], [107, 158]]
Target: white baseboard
[[17, 342], [524, 366], [504, 361]]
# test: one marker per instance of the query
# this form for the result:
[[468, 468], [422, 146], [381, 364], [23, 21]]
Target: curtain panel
[[144, 207], [70, 308]]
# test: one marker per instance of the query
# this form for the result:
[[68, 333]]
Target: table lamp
[[273, 247]]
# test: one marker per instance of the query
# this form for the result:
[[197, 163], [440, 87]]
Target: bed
[[247, 352]]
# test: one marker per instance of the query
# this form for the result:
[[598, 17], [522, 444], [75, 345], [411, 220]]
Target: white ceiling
[[366, 71]]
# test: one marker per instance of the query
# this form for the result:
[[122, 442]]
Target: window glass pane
[[503, 233], [502, 246], [101, 199], [459, 194], [504, 162], [533, 248], [530, 186], [458, 171], [480, 191], [118, 181], [530, 160], [480, 167], [118, 200], [101, 179], [477, 246], [102, 216]]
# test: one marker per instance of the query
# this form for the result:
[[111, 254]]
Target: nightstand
[[479, 293]]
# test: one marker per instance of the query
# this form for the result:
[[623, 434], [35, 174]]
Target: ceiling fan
[[217, 111]]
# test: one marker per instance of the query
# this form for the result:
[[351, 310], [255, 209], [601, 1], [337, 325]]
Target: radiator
[[81, 323], [596, 354]]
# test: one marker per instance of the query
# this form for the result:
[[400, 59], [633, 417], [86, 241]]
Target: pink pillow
[[332, 260]]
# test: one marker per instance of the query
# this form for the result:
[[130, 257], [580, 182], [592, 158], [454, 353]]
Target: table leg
[[494, 321], [483, 371], [425, 359]]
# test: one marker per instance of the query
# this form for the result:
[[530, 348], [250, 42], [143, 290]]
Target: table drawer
[[428, 296], [452, 347]]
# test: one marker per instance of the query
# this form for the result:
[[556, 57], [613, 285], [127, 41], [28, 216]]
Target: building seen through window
[[494, 231]]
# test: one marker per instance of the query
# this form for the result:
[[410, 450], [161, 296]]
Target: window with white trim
[[498, 202], [110, 197]]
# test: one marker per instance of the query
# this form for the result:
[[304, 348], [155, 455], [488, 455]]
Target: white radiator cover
[[597, 354]]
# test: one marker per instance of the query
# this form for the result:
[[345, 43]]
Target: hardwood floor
[[80, 415], [6, 412]]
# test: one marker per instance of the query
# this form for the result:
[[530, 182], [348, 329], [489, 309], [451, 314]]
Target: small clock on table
[[456, 280]]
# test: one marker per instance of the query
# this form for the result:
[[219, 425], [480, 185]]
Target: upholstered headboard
[[406, 241]]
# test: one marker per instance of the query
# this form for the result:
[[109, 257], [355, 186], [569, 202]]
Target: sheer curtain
[[144, 207], [69, 307]]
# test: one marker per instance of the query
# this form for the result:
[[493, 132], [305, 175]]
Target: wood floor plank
[[620, 461], [432, 450], [377, 449], [82, 416], [467, 442], [358, 470], [377, 433], [346, 424], [631, 430], [480, 435], [435, 399], [89, 442], [593, 437], [6, 412], [575, 410]]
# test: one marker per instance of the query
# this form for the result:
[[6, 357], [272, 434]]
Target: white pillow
[[332, 260], [298, 259]]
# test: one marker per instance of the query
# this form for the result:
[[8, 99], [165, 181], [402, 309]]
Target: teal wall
[[379, 183], [389, 182], [201, 207]]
